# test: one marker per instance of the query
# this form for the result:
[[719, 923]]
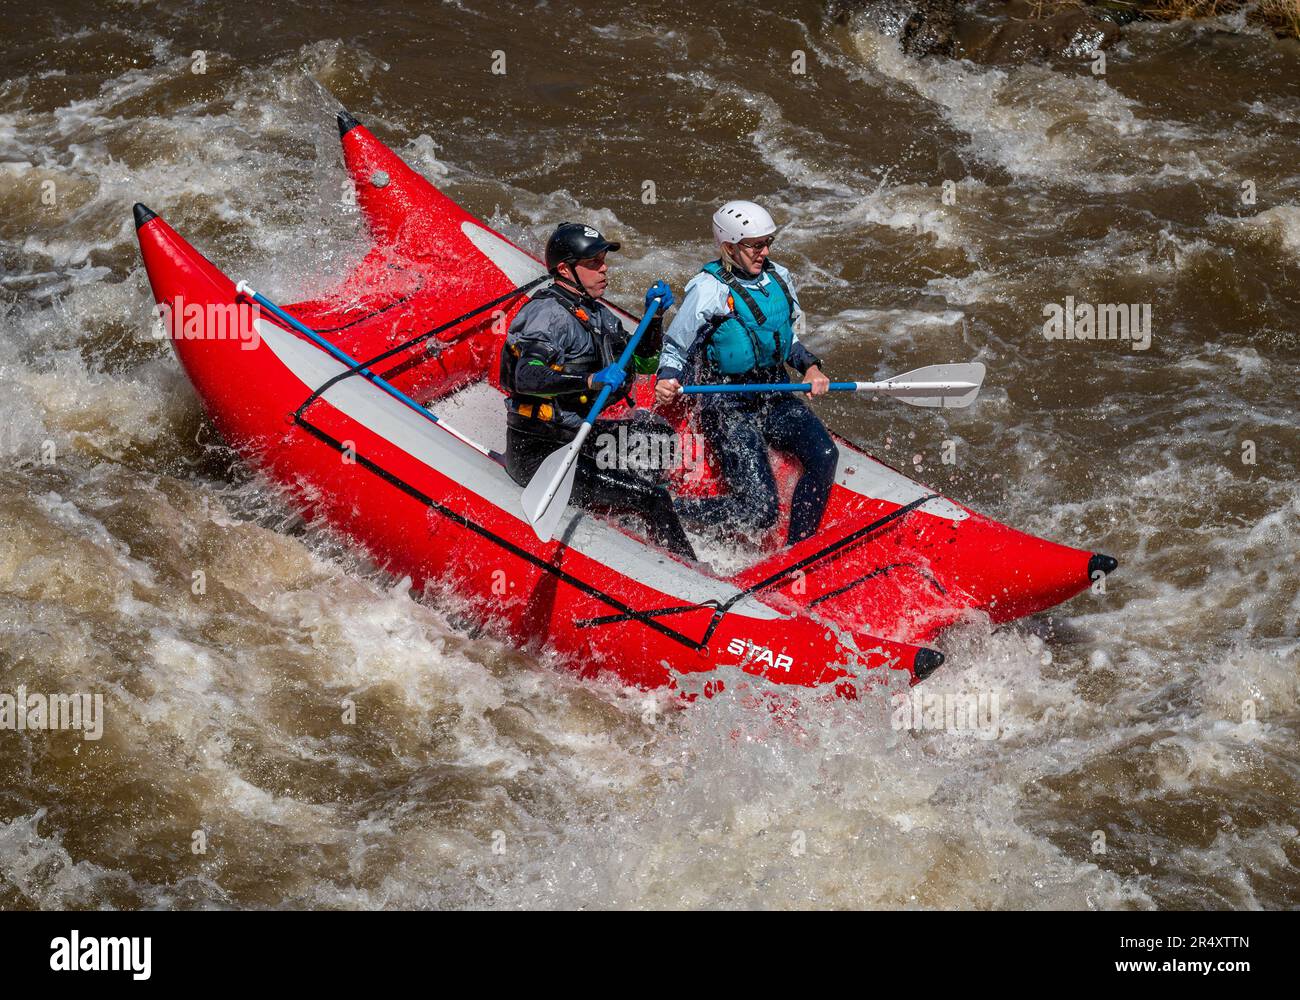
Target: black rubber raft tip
[[1100, 563], [927, 662], [143, 214], [346, 123]]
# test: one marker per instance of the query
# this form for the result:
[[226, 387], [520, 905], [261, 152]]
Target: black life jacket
[[604, 352]]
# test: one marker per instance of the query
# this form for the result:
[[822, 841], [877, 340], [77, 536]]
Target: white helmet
[[741, 220]]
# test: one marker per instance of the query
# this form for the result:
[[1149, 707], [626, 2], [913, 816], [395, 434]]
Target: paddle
[[244, 288], [547, 493], [949, 386]]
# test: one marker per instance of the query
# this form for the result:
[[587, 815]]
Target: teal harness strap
[[742, 293], [771, 270], [753, 322]]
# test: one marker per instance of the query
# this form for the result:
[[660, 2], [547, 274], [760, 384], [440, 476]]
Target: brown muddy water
[[1146, 739]]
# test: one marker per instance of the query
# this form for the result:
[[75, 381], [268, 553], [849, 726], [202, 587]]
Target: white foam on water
[[974, 288], [1282, 222], [826, 200], [1281, 109], [40, 870], [1027, 120], [834, 809], [910, 327]]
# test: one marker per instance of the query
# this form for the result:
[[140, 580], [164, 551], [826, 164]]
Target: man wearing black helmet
[[559, 352]]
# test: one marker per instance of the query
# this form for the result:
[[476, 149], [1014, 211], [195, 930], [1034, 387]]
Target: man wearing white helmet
[[737, 325]]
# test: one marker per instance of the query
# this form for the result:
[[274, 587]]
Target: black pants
[[739, 429], [602, 480]]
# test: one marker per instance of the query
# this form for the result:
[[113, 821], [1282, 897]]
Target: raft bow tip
[[346, 123], [143, 214], [926, 662], [1100, 563]]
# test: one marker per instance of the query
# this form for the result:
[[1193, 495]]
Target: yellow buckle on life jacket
[[541, 411]]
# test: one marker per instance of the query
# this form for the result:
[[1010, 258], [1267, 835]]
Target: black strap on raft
[[720, 608], [550, 566], [362, 367], [400, 301]]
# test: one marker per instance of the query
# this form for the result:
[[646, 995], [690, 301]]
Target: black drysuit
[[556, 340]]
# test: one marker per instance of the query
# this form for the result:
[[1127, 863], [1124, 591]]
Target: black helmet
[[573, 241]]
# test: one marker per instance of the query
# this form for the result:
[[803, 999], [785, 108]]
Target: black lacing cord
[[360, 368], [376, 312]]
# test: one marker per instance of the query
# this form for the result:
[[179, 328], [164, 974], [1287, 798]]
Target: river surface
[[1146, 752]]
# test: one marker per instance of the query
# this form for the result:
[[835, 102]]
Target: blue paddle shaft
[[623, 359], [769, 387], [321, 342]]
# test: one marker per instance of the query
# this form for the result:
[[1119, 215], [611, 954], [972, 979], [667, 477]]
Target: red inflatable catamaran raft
[[893, 565]]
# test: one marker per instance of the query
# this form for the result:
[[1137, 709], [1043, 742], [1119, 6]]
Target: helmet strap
[[573, 278]]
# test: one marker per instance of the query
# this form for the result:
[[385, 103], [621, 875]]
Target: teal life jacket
[[758, 332]]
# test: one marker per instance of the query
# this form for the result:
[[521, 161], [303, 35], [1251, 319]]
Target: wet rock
[[996, 33], [1009, 33], [922, 27], [1118, 11]]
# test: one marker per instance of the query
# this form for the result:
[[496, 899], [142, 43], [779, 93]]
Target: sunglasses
[[766, 241]]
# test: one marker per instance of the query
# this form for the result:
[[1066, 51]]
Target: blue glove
[[659, 290], [612, 376]]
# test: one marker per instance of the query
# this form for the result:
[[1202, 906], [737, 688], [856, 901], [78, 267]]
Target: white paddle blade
[[548, 492], [950, 385]]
